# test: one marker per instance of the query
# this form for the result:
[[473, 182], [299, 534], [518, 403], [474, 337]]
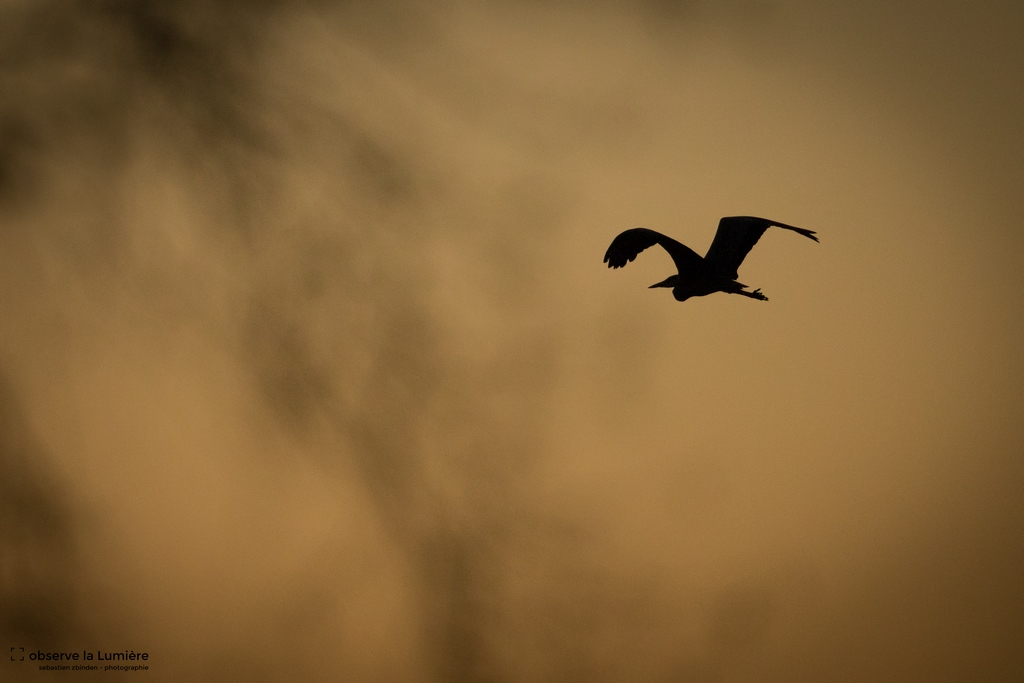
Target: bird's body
[[697, 276]]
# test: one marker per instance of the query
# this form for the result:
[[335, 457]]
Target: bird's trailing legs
[[756, 294]]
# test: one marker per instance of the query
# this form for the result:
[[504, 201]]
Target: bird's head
[[670, 281]]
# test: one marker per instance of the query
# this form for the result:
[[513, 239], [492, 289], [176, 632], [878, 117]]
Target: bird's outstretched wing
[[736, 236], [628, 244]]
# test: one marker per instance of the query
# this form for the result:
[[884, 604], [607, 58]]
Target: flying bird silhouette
[[717, 271]]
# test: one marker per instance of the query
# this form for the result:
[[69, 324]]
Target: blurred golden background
[[310, 368]]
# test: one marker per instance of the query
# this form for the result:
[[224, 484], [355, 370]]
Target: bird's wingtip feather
[[805, 232]]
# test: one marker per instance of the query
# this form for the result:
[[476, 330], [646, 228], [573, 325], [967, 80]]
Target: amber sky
[[310, 368]]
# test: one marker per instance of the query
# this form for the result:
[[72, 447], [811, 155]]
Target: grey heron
[[716, 271]]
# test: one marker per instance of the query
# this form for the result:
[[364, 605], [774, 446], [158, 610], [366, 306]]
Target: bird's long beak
[[664, 283]]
